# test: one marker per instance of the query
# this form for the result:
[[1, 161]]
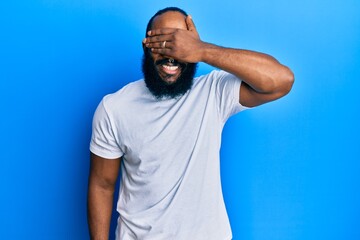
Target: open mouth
[[169, 69]]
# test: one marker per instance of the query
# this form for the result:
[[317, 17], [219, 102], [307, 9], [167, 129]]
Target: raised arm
[[264, 77], [102, 180]]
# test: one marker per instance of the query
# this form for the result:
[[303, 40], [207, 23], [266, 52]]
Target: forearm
[[261, 72], [100, 202]]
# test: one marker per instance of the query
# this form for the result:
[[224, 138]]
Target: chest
[[166, 130]]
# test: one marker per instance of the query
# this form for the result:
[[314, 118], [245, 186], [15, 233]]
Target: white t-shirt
[[170, 186]]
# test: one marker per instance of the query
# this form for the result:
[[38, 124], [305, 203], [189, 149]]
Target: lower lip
[[170, 72]]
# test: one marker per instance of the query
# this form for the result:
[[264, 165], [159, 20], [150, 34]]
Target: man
[[165, 133]]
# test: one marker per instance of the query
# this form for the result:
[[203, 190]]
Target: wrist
[[208, 52]]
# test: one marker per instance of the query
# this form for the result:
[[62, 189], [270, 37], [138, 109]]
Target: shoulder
[[213, 76], [213, 79], [128, 89], [127, 93]]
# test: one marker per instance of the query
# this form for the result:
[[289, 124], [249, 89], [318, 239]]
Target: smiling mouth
[[170, 69]]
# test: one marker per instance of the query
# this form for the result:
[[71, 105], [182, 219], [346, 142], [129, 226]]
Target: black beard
[[161, 89]]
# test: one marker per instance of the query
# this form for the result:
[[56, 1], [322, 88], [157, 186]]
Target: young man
[[165, 132]]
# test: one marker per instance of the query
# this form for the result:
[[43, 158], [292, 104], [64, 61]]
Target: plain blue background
[[290, 168]]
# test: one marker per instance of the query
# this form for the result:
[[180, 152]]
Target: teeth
[[172, 68]]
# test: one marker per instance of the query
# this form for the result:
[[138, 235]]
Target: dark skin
[[102, 180], [264, 80]]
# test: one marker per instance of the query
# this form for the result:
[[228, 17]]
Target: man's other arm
[[102, 181]]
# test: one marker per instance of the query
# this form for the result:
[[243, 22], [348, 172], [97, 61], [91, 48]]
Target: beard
[[162, 89]]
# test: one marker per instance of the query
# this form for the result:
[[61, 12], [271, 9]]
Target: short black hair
[[168, 9]]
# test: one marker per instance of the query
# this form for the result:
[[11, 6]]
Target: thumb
[[190, 25]]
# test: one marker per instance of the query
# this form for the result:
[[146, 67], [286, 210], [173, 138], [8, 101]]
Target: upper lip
[[166, 61], [169, 64]]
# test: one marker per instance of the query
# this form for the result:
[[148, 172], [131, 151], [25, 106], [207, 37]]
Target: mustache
[[173, 62]]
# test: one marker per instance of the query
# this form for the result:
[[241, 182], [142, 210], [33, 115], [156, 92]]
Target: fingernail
[[149, 33], [144, 40]]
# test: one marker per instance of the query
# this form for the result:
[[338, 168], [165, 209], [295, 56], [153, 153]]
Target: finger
[[163, 44], [158, 38], [161, 31], [162, 51]]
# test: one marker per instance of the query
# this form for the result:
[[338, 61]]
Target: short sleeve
[[228, 94], [103, 141]]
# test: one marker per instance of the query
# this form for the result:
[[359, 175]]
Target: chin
[[170, 79]]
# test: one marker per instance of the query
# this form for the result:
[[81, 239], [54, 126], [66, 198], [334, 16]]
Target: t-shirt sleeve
[[228, 94], [103, 141]]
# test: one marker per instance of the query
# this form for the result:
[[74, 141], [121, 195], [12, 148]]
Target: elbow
[[279, 83], [287, 81], [290, 79]]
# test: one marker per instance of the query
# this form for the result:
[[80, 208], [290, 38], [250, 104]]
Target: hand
[[182, 45]]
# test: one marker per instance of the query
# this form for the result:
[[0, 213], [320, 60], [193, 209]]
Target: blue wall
[[290, 169]]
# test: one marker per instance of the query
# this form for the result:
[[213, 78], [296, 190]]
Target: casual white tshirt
[[170, 186]]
